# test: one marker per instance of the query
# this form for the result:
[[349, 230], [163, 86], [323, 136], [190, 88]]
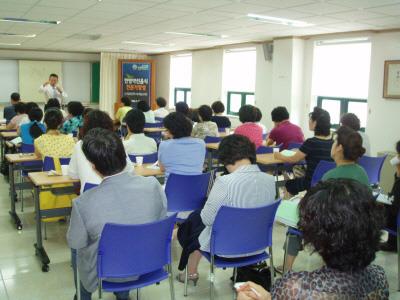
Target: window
[[341, 78], [239, 78], [181, 79]]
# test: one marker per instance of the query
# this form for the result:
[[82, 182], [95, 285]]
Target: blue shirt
[[184, 156], [9, 113], [72, 125], [24, 132]]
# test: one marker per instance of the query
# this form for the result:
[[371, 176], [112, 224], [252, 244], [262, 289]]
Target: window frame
[[344, 106], [181, 89], [243, 101]]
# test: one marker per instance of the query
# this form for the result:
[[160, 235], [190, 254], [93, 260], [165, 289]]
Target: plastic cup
[[64, 169], [139, 160], [276, 150], [227, 131]]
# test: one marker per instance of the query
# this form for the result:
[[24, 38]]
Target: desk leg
[[39, 249], [2, 151], [13, 198], [210, 160]]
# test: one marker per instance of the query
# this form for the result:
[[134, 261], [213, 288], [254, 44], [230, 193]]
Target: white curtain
[[109, 78]]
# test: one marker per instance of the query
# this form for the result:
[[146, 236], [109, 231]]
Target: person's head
[[105, 151], [350, 120], [143, 106], [135, 121], [15, 98], [29, 106], [178, 125], [279, 114], [161, 102], [258, 114], [75, 108], [320, 122], [218, 107], [126, 101], [205, 113], [347, 145], [86, 111], [53, 118], [52, 103], [35, 115], [20, 108], [194, 115], [96, 119], [247, 113], [182, 107], [53, 79], [236, 148], [342, 222]]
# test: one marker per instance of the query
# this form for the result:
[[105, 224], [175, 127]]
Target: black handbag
[[258, 273]]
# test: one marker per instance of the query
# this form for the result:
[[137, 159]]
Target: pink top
[[252, 131], [286, 133]]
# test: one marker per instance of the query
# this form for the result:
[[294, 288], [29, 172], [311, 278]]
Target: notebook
[[288, 213], [288, 153]]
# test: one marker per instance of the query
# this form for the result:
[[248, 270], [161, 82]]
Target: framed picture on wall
[[391, 81]]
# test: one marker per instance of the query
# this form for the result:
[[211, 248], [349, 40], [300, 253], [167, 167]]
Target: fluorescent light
[[343, 41], [18, 35], [279, 21], [222, 36], [9, 44], [19, 20], [141, 43]]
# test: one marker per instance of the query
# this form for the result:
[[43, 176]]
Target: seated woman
[[35, 128], [313, 150], [249, 128], [183, 108], [75, 110], [348, 248], [79, 167], [346, 150], [148, 113], [205, 127], [54, 103], [393, 210], [180, 153], [123, 110], [351, 120], [20, 118], [136, 142], [246, 186], [161, 111], [56, 145], [222, 121]]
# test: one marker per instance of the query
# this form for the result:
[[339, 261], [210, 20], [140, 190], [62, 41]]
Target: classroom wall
[[48, 55], [163, 66]]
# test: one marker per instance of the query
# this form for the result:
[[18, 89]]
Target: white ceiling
[[148, 20]]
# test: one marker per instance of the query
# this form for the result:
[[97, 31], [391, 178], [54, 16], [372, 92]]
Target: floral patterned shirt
[[72, 125], [203, 129]]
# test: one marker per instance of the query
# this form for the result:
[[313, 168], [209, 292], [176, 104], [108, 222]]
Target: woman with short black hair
[[222, 121], [35, 128], [75, 110], [205, 127], [148, 113], [245, 186], [351, 120], [161, 111], [249, 128]]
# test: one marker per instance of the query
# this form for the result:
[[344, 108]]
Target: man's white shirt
[[52, 92]]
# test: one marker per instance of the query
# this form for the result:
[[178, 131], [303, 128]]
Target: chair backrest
[[322, 167], [187, 192], [147, 158], [293, 145], [30, 166], [373, 167], [264, 150], [131, 250], [264, 136], [239, 231], [212, 139], [50, 163], [222, 129], [88, 186], [27, 148], [154, 125], [159, 119]]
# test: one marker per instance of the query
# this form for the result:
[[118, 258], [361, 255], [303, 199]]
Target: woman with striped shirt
[[245, 186]]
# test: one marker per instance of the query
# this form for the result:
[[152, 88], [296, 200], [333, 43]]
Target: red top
[[286, 133], [252, 131]]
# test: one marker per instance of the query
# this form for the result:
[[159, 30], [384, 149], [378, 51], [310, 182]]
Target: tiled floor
[[22, 278]]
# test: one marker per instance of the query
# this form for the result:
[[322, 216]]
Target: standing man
[[51, 89]]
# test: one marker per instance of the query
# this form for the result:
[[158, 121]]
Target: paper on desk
[[16, 141], [153, 167], [288, 153], [385, 199], [288, 213]]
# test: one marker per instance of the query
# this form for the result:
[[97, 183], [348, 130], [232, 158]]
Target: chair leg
[[212, 278], [171, 282], [45, 230], [186, 283], [285, 254], [100, 290], [78, 285], [234, 281], [272, 269], [138, 294], [398, 258]]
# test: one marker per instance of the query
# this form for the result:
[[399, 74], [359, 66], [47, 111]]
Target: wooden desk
[[42, 182], [5, 135], [212, 146], [143, 170], [224, 134], [15, 163], [154, 129], [3, 127]]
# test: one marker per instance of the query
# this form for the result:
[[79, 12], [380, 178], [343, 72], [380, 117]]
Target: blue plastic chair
[[373, 167], [222, 129], [293, 145], [157, 136], [147, 158], [322, 167], [264, 136], [48, 162], [396, 233], [88, 186], [265, 150], [135, 250], [187, 192], [154, 125], [212, 139], [237, 232], [159, 119]]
